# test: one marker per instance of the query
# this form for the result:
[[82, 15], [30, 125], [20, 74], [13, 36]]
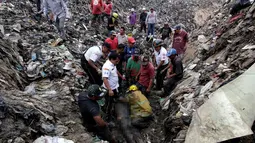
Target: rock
[[60, 130], [2, 29], [85, 138], [202, 39], [19, 140], [248, 47], [48, 139], [206, 87], [17, 27]]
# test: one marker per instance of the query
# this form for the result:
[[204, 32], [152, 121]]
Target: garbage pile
[[225, 48]]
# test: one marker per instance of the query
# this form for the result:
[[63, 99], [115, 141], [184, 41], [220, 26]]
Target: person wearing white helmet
[[143, 16], [132, 18]]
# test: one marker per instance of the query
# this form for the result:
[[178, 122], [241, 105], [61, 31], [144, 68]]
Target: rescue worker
[[122, 37], [112, 40], [140, 109], [112, 21], [166, 31], [174, 75], [145, 76], [110, 77], [132, 18], [143, 17], [151, 20], [133, 67], [89, 62], [161, 62], [90, 111], [107, 9], [180, 40], [60, 14], [97, 9]]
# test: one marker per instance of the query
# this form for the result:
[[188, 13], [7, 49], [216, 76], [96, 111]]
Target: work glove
[[99, 71]]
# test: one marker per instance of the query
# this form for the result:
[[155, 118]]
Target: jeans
[[60, 24], [151, 27]]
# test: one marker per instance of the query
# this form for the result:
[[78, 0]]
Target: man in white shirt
[[89, 62], [122, 37], [161, 61], [111, 76], [60, 12]]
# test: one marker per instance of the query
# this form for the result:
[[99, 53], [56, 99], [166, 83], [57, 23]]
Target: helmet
[[157, 42], [171, 52], [144, 8], [95, 90], [115, 15], [131, 40], [132, 88]]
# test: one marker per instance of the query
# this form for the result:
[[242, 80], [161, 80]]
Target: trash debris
[[49, 139]]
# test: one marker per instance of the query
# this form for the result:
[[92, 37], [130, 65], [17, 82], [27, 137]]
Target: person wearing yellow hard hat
[[141, 111], [113, 21]]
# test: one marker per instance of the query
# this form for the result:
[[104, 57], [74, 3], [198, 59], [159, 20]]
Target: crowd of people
[[124, 63]]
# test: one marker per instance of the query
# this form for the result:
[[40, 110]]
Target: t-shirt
[[179, 41], [113, 43], [139, 105], [122, 39], [177, 67], [109, 71], [129, 52], [161, 56], [96, 6], [147, 73], [133, 67], [108, 8], [166, 31], [94, 53], [89, 109]]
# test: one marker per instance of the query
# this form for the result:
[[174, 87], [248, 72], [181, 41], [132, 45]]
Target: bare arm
[[106, 83], [100, 122]]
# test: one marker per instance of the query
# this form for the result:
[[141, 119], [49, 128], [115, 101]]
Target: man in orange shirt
[[97, 9], [112, 40]]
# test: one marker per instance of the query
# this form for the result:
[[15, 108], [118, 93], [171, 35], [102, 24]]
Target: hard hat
[[171, 52], [131, 40], [96, 91], [115, 15], [132, 9], [144, 8], [157, 43], [132, 88], [177, 27]]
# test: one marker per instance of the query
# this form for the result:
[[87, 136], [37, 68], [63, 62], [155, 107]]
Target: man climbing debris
[[60, 13], [89, 62], [110, 77], [122, 37], [145, 76], [151, 20], [161, 62], [112, 21], [143, 17], [107, 10], [174, 74], [90, 111], [140, 109], [133, 67], [180, 39], [166, 31], [132, 18], [96, 9], [112, 40]]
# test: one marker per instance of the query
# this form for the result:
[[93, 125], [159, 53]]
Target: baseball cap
[[171, 52], [177, 27], [112, 33], [145, 60], [131, 40]]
